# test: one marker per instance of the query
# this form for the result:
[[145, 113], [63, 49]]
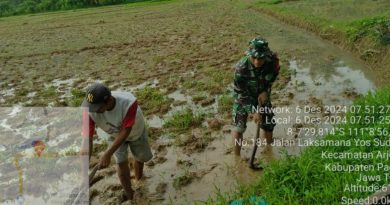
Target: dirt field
[[175, 56]]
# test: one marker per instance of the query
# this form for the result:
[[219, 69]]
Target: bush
[[13, 7], [377, 28]]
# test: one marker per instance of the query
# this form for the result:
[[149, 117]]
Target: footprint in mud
[[159, 155], [184, 163], [189, 176], [214, 124], [156, 160], [227, 129], [351, 93], [158, 195], [228, 150], [111, 194], [101, 174], [161, 188]]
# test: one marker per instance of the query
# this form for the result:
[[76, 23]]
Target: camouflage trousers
[[242, 111]]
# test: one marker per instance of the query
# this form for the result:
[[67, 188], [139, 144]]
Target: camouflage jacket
[[249, 82]]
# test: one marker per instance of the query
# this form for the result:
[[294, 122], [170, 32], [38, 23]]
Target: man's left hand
[[105, 160]]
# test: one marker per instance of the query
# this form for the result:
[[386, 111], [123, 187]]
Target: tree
[[4, 8], [47, 5], [28, 6]]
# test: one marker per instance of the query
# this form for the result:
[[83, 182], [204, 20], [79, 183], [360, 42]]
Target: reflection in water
[[330, 84]]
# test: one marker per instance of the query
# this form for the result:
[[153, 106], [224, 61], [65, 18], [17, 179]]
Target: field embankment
[[358, 26]]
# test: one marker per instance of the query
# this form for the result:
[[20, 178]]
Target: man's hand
[[257, 118], [262, 99], [105, 160]]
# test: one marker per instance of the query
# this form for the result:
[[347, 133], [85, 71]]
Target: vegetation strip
[[12, 7], [365, 34], [315, 177]]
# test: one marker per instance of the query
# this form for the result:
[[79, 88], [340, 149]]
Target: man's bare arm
[[106, 158]]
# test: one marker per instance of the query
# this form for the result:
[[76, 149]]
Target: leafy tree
[[13, 7], [28, 6], [5, 8]]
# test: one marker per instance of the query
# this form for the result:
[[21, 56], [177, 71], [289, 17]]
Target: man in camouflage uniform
[[253, 78]]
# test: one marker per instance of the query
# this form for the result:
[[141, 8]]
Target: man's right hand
[[262, 99], [257, 118]]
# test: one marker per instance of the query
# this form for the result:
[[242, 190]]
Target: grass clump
[[376, 28], [185, 119], [283, 78], [225, 103], [205, 84], [213, 81], [199, 97], [77, 97], [98, 148], [48, 92], [183, 180], [152, 100]]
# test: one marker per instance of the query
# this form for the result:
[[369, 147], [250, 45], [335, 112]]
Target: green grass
[[48, 92], [225, 103], [356, 19], [199, 97], [377, 28], [213, 87], [304, 180], [185, 119], [10, 8], [334, 10], [39, 24], [283, 78], [77, 97], [213, 80], [152, 99], [98, 148], [359, 26]]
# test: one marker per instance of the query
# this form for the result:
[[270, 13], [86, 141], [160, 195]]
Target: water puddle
[[217, 165], [178, 96], [31, 94], [152, 84], [199, 174], [2, 149], [213, 168], [182, 101], [59, 82], [7, 93], [337, 84], [155, 122], [63, 88]]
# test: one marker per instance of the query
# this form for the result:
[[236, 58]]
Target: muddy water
[[216, 168], [322, 75]]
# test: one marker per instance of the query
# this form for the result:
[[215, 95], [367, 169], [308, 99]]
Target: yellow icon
[[90, 98]]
